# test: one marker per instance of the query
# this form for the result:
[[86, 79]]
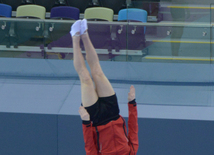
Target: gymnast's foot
[[76, 28], [84, 27]]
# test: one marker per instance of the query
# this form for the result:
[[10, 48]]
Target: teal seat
[[131, 37], [132, 14]]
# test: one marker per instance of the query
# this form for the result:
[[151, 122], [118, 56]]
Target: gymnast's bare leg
[[88, 93], [102, 84]]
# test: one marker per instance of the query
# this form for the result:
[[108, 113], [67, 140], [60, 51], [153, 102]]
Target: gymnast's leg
[[88, 93], [102, 84]]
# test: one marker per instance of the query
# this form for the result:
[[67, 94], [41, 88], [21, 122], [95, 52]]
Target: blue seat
[[133, 14], [13, 3], [65, 12], [136, 34], [5, 10]]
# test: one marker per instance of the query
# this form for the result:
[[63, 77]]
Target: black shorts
[[104, 110]]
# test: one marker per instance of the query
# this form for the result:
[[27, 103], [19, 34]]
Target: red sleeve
[[90, 146], [133, 128]]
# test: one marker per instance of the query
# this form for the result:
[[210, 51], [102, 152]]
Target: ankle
[[76, 39], [85, 35]]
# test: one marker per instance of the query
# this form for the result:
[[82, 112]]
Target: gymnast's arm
[[90, 146], [133, 122]]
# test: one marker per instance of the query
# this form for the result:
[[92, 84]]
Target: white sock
[[76, 27], [84, 26]]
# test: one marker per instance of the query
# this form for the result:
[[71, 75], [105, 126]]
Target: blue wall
[[39, 134]]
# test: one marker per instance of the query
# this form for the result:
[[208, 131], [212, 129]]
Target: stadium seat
[[35, 11], [65, 12], [13, 3], [59, 31], [136, 34], [81, 4], [100, 13], [24, 32], [115, 5], [133, 14], [101, 33], [5, 10]]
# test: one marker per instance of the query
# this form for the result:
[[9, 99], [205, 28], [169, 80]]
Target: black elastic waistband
[[107, 121]]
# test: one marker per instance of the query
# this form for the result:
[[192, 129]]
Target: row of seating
[[115, 5], [66, 12]]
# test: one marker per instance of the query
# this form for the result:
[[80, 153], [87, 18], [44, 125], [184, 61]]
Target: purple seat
[[65, 12]]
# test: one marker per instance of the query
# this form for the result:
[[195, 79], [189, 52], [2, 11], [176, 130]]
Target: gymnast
[[104, 129]]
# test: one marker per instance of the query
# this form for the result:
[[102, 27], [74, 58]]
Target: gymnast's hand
[[131, 94], [84, 114]]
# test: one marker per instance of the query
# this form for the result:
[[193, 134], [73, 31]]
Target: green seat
[[101, 13], [35, 11]]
